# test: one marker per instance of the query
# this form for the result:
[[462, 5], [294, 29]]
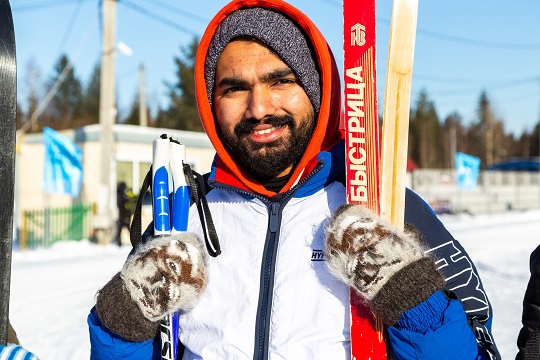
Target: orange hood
[[326, 132]]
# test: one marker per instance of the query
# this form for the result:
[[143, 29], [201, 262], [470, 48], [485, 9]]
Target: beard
[[267, 160]]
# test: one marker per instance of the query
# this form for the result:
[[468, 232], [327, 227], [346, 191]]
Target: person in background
[[124, 201], [268, 93], [529, 336]]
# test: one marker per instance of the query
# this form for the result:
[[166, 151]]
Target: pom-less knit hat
[[276, 31]]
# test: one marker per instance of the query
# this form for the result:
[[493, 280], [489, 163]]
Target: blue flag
[[467, 168], [63, 164]]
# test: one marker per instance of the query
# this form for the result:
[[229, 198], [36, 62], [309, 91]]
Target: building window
[[124, 173]]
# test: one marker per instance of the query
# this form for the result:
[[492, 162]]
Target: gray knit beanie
[[276, 31]]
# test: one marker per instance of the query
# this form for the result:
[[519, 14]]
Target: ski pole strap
[[196, 184], [135, 234], [198, 196]]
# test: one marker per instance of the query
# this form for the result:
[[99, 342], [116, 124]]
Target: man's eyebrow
[[277, 74], [231, 82]]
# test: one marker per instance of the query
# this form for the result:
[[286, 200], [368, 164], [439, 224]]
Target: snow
[[53, 289]]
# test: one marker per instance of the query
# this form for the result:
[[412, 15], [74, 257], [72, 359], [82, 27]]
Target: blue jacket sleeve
[[434, 329], [462, 278], [104, 345]]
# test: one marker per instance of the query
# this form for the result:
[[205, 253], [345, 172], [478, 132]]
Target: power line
[[456, 39], [477, 42], [184, 13], [462, 91], [54, 89], [68, 31], [157, 17], [471, 41], [524, 96], [129, 72], [451, 93], [334, 3], [470, 80], [40, 5]]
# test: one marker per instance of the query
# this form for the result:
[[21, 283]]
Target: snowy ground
[[52, 290]]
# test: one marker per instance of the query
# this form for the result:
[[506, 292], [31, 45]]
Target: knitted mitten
[[386, 266], [165, 275]]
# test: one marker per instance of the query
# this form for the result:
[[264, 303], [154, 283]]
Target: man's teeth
[[265, 131]]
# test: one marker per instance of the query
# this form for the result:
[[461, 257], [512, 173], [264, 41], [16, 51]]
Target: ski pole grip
[[181, 190], [160, 186]]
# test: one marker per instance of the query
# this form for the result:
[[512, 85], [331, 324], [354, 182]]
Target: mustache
[[246, 126]]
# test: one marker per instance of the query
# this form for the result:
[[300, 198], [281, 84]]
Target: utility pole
[[106, 203], [143, 118], [453, 145]]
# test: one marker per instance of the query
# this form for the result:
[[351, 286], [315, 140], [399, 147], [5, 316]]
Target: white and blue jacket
[[270, 295]]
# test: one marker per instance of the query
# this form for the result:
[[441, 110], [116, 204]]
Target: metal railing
[[44, 227], [496, 191]]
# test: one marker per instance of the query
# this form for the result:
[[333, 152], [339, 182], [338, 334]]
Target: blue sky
[[462, 48]]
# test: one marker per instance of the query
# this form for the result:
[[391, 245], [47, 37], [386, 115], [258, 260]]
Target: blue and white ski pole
[[181, 190], [170, 216]]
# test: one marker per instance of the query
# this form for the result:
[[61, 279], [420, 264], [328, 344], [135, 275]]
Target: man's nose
[[261, 103]]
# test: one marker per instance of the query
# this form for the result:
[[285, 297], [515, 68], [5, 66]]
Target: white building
[[130, 162]]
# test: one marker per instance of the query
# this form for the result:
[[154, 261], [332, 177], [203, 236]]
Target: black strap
[[136, 226], [198, 196]]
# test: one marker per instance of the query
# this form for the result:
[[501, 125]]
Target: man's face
[[265, 118]]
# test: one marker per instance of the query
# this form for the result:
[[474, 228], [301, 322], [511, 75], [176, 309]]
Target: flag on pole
[[467, 168], [63, 164]]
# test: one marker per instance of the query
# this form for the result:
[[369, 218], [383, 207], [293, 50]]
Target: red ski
[[363, 169], [362, 150]]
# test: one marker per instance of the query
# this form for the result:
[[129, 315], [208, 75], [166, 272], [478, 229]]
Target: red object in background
[[411, 165]]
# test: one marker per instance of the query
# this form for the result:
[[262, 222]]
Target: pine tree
[[535, 141], [424, 133], [34, 89], [182, 112], [65, 106], [133, 117], [486, 132], [454, 139], [90, 101]]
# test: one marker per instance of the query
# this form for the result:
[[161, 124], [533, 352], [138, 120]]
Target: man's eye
[[232, 89], [285, 81]]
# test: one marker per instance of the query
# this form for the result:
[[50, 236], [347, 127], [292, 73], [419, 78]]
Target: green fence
[[42, 228]]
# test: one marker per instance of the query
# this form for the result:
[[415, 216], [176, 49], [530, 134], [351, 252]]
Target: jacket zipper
[[262, 324], [266, 290]]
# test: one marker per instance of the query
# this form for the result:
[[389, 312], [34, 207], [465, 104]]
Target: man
[[268, 95]]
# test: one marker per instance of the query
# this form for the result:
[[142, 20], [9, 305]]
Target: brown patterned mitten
[[166, 274], [388, 267], [162, 276]]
